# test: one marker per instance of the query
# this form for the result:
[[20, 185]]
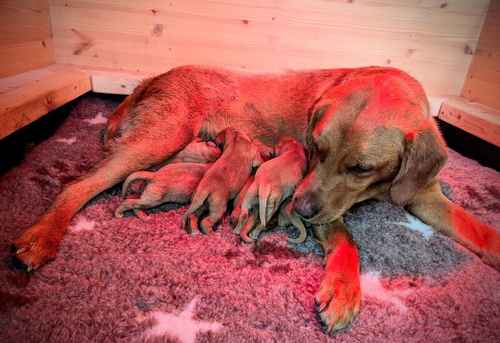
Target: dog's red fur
[[353, 122]]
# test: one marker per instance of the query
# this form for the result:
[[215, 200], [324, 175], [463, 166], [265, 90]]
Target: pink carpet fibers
[[131, 281]]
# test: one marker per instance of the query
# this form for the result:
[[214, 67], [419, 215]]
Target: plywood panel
[[26, 97], [477, 119], [433, 40], [25, 36], [483, 80]]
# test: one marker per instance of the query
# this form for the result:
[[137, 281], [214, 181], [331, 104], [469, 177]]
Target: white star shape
[[413, 223], [181, 326], [98, 119], [82, 224], [373, 288], [68, 141]]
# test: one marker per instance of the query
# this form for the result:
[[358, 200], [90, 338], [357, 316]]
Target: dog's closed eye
[[361, 169]]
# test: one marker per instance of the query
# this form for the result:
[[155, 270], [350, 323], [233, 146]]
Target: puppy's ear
[[424, 155]]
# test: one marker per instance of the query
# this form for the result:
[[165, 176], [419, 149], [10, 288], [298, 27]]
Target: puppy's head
[[199, 151], [241, 144], [367, 140]]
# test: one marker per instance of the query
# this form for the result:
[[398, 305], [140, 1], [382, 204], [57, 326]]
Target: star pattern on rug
[[82, 224], [181, 326], [414, 224], [98, 119], [372, 288], [68, 141]]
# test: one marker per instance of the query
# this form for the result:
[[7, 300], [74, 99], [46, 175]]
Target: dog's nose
[[305, 206]]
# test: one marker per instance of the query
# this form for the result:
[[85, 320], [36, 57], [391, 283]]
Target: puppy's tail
[[142, 175]]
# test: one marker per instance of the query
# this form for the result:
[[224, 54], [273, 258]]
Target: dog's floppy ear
[[424, 155], [317, 114]]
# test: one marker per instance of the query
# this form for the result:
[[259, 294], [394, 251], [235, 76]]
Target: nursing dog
[[367, 131]]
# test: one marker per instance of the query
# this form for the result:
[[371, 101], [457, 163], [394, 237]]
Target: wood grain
[[483, 80], [25, 36], [433, 40], [110, 81], [26, 97], [477, 119]]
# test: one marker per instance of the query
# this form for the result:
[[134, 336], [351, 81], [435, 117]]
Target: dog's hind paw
[[33, 249], [338, 303]]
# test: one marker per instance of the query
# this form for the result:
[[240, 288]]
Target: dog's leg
[[40, 243], [339, 296], [433, 208]]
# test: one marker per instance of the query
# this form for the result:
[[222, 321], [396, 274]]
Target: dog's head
[[368, 138]]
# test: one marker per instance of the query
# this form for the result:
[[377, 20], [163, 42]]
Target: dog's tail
[[141, 175]]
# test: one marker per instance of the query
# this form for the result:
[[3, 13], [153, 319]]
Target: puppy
[[238, 201], [174, 182], [198, 151], [274, 182], [250, 231], [223, 180]]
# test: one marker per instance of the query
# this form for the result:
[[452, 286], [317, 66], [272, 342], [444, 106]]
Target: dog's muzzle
[[306, 206]]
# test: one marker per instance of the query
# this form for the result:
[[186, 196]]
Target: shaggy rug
[[128, 280]]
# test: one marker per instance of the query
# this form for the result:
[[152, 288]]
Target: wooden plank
[[27, 96], [25, 38], [111, 81], [477, 119], [483, 79], [433, 40]]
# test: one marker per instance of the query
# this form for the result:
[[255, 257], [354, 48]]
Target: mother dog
[[367, 130]]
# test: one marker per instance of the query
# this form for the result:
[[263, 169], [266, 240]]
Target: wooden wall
[[432, 39], [25, 36], [483, 80]]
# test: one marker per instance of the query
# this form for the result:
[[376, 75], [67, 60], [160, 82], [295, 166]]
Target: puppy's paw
[[190, 223], [119, 212], [338, 301], [207, 226], [235, 214], [248, 227], [34, 248]]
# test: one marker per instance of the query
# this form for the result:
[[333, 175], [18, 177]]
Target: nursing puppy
[[198, 151], [238, 201], [174, 182], [223, 181], [250, 229], [367, 130], [274, 182]]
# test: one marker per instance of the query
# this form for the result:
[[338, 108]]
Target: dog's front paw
[[35, 247], [338, 301]]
